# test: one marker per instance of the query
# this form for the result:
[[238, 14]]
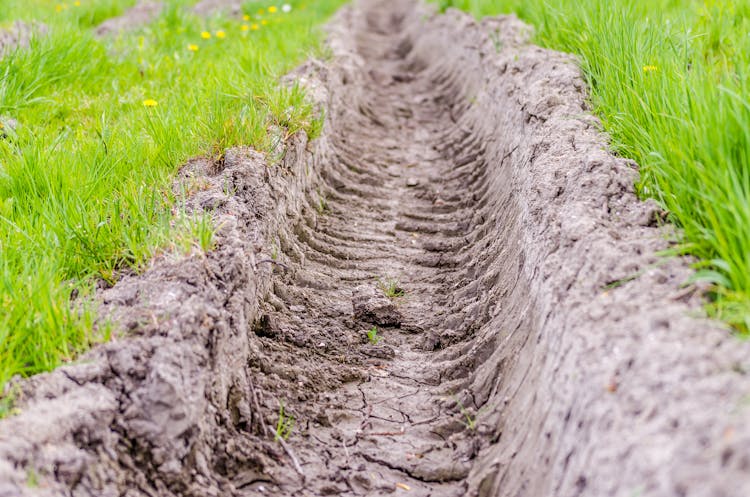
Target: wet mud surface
[[540, 347]]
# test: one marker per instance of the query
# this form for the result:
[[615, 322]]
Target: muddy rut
[[540, 346]]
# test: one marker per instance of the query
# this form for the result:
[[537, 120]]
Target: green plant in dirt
[[372, 335], [470, 420], [390, 287], [8, 401], [670, 80], [103, 125], [32, 478], [284, 425], [322, 204]]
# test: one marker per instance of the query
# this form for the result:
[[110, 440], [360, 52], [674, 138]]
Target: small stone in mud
[[412, 182], [372, 306], [379, 351]]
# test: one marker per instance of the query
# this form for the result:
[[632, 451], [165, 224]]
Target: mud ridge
[[540, 347]]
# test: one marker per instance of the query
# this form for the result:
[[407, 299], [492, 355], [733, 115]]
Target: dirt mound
[[540, 347], [211, 7], [141, 14], [18, 35]]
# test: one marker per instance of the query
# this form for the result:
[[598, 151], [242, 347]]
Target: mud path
[[541, 347], [395, 206]]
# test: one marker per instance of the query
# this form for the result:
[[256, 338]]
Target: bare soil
[[541, 347]]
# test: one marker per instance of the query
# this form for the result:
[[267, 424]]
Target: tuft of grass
[[322, 205], [284, 425], [390, 287], [670, 80], [372, 335], [470, 420], [100, 128]]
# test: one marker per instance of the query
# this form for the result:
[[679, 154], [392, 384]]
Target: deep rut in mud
[[540, 348], [395, 206]]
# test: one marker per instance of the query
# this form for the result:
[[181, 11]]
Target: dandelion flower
[[76, 3], [150, 103], [650, 68], [205, 35], [264, 22], [245, 27], [286, 8], [272, 9], [261, 12], [221, 34], [246, 17], [193, 47], [254, 27]]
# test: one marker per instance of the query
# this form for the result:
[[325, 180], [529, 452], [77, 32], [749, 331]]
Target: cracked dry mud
[[462, 161]]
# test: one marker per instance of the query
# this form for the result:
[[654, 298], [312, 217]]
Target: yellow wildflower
[[650, 68], [193, 47], [261, 12], [205, 35], [264, 22], [272, 9], [245, 27], [221, 34], [76, 3], [246, 17], [150, 103], [254, 27]]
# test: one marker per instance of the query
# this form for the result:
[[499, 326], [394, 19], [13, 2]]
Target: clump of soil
[[141, 14], [540, 346], [18, 35]]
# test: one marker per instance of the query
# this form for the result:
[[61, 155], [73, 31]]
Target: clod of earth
[[373, 306], [499, 378]]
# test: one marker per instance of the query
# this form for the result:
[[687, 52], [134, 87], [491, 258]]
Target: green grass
[[85, 178], [670, 80]]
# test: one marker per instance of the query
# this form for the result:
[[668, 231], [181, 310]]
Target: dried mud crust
[[523, 360]]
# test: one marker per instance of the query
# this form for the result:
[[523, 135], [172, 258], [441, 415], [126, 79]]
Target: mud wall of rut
[[576, 345]]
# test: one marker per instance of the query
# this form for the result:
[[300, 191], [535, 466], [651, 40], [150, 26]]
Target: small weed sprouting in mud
[[496, 41], [391, 287], [32, 479], [322, 203], [203, 232], [284, 425], [274, 252], [372, 335], [470, 419], [8, 401]]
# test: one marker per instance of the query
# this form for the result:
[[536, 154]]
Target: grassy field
[[671, 81], [95, 129]]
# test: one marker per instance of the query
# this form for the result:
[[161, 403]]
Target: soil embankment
[[540, 347]]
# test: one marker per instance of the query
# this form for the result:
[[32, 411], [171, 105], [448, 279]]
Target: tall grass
[[85, 174], [671, 82]]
